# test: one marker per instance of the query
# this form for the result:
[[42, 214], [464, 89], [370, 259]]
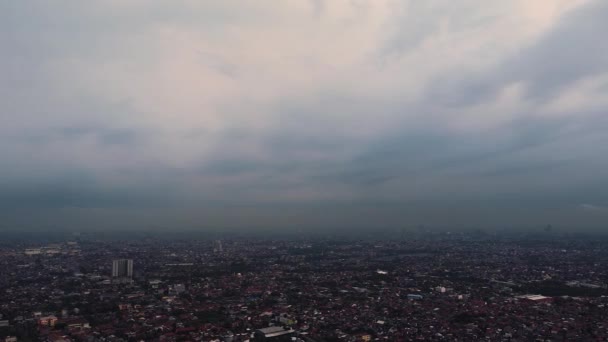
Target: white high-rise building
[[122, 268], [217, 246]]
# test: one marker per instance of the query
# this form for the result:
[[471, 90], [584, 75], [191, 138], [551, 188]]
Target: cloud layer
[[303, 114]]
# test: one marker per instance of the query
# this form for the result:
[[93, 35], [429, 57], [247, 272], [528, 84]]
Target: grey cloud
[[325, 156], [567, 53], [318, 7], [103, 135], [593, 207], [416, 21]]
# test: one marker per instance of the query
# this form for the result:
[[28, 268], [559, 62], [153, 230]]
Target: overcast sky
[[336, 113]]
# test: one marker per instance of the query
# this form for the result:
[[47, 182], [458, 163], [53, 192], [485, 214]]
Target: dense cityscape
[[433, 287], [303, 171]]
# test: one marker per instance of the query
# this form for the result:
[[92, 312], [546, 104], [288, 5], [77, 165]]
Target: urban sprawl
[[440, 287]]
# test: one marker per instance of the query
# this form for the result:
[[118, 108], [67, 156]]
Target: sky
[[303, 114]]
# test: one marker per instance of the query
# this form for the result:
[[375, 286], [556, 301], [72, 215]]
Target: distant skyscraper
[[217, 246], [122, 268]]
